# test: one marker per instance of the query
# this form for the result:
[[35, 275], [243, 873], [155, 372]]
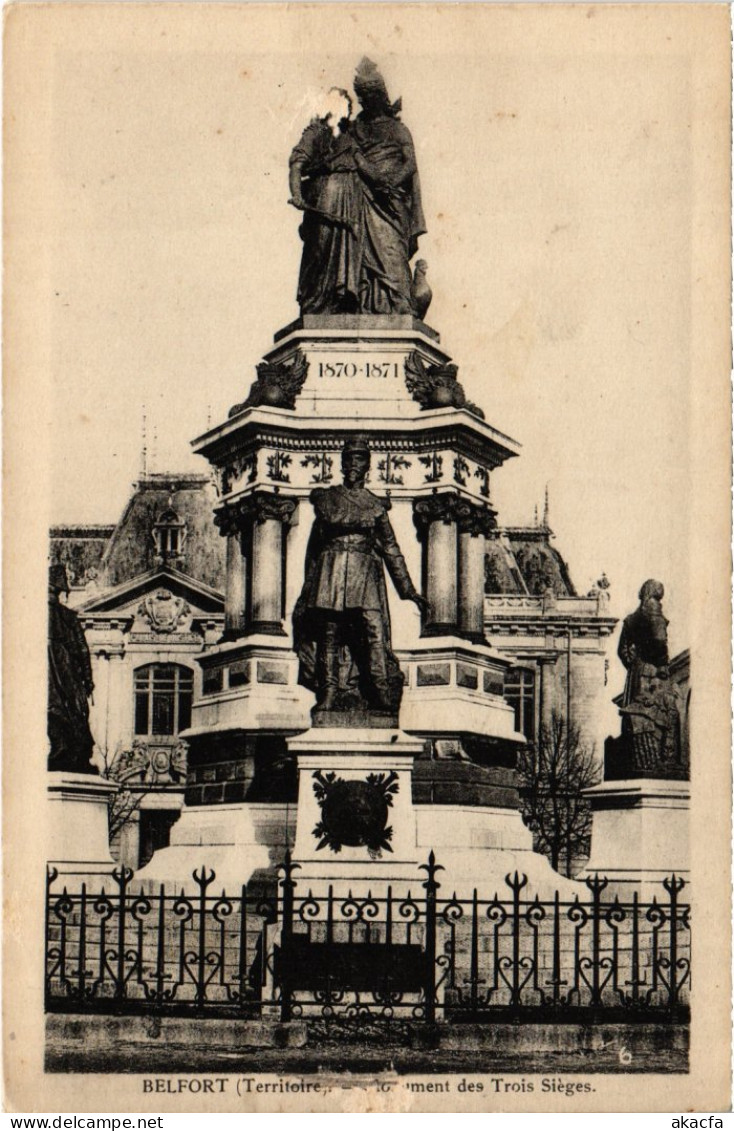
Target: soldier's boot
[[328, 669], [381, 696]]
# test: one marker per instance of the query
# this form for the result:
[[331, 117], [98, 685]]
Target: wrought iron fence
[[394, 956], [121, 950]]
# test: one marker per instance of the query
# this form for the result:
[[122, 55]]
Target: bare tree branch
[[553, 773]]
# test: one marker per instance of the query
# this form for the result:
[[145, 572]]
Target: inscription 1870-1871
[[383, 369]]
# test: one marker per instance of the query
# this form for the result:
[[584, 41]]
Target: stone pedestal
[[452, 688], [479, 846], [243, 843], [250, 685], [640, 833], [356, 825], [78, 843]]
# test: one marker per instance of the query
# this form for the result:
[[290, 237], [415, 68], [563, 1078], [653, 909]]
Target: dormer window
[[169, 533]]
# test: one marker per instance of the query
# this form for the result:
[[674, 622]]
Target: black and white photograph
[[367, 558]]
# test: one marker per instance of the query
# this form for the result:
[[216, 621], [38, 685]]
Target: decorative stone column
[[474, 523], [435, 518], [235, 597], [546, 696], [255, 596], [267, 573], [454, 531]]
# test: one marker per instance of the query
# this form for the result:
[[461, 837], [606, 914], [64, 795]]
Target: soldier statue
[[341, 619], [69, 684]]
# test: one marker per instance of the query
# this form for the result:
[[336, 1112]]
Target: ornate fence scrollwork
[[387, 958], [126, 950]]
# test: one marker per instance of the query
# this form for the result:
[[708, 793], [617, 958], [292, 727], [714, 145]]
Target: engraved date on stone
[[379, 369]]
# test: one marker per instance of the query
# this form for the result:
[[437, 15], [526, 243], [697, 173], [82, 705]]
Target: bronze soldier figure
[[341, 620]]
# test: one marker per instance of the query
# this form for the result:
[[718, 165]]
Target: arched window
[[163, 694]]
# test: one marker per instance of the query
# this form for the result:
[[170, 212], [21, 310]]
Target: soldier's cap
[[356, 444], [58, 578]]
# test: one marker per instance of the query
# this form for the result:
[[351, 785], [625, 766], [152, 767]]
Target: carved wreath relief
[[355, 813]]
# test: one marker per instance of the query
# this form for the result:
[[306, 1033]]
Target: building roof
[[521, 560], [80, 549], [110, 556]]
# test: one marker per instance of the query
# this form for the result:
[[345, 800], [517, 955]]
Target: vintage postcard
[[367, 558]]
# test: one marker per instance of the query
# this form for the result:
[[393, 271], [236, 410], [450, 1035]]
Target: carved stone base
[[355, 827], [242, 843], [453, 689], [354, 720], [78, 842], [640, 832], [250, 686]]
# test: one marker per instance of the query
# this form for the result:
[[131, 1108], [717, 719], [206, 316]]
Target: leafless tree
[[554, 772], [128, 769]]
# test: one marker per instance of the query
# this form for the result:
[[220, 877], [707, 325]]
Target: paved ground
[[89, 1045]]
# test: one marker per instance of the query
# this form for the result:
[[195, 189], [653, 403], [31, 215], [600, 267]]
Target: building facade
[[149, 594], [556, 639]]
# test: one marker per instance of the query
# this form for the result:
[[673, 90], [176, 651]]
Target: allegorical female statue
[[341, 620], [357, 185], [325, 187]]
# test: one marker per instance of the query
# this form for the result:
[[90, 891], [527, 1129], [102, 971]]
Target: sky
[[556, 161]]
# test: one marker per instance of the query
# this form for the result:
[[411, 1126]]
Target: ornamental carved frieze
[[461, 470], [242, 467], [390, 468], [278, 385], [355, 813], [149, 763], [433, 464], [453, 458], [278, 463], [482, 474], [322, 465]]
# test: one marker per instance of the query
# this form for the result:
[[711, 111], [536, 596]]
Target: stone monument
[[640, 824], [361, 722]]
